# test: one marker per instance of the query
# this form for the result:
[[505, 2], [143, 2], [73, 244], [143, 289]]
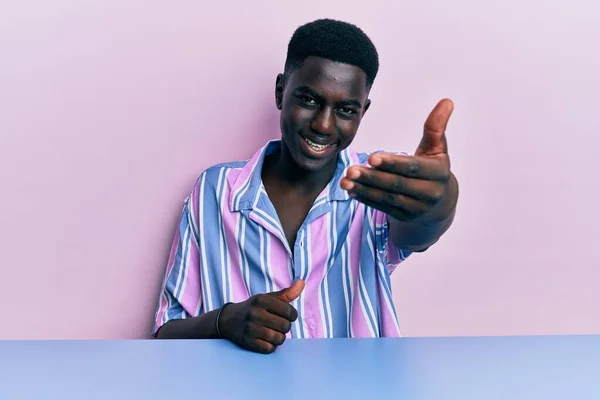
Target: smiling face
[[322, 103]]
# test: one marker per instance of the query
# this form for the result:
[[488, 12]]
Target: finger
[[429, 191], [275, 306], [419, 167], [405, 206], [260, 346], [434, 132], [389, 210], [268, 335], [275, 322], [291, 293]]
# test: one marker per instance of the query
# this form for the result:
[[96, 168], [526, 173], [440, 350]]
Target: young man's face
[[322, 104]]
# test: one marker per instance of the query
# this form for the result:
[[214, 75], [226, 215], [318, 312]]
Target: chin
[[311, 165]]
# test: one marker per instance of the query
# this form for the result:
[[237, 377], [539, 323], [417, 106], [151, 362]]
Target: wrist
[[222, 321]]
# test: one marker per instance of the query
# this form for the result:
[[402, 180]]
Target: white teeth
[[316, 147]]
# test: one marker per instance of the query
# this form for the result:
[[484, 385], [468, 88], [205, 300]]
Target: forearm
[[416, 236], [201, 327]]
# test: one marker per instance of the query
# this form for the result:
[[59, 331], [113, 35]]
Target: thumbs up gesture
[[409, 188], [260, 323]]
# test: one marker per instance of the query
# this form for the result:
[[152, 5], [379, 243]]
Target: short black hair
[[336, 41]]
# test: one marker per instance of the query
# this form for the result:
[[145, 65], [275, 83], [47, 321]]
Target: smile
[[317, 147]]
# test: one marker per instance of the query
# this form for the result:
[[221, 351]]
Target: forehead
[[330, 78]]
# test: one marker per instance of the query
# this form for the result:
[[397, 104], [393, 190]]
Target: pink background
[[110, 110]]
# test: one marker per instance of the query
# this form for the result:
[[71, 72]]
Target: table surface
[[542, 367]]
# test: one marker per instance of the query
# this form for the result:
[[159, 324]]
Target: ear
[[366, 107], [279, 84]]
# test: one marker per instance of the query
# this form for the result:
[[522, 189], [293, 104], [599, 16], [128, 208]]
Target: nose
[[323, 121]]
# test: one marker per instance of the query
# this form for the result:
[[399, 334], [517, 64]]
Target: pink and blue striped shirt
[[230, 246]]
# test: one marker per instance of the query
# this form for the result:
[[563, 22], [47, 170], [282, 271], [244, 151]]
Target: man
[[300, 241]]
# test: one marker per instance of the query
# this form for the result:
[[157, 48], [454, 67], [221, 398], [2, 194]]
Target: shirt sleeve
[[391, 255], [181, 295]]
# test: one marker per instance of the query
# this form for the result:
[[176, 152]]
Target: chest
[[303, 239], [292, 211], [336, 252]]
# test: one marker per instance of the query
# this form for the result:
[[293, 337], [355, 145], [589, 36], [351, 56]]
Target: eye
[[307, 100], [347, 111]]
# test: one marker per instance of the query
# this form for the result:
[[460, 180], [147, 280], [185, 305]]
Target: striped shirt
[[230, 246]]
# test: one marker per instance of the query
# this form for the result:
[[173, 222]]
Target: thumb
[[291, 293], [434, 131]]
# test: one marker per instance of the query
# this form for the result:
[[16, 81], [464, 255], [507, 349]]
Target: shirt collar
[[246, 188]]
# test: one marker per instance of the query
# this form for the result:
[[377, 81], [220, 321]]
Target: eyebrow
[[312, 92]]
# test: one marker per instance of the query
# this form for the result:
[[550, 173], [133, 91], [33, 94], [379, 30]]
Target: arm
[[200, 327], [418, 194], [181, 296], [419, 235], [259, 323]]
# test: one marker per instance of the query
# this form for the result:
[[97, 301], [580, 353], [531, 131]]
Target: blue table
[[482, 368]]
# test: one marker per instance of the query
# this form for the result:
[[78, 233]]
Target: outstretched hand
[[407, 187]]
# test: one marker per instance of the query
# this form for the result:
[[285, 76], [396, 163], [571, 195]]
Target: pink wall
[[109, 112]]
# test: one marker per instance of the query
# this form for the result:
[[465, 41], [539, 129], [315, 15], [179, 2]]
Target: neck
[[283, 168]]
